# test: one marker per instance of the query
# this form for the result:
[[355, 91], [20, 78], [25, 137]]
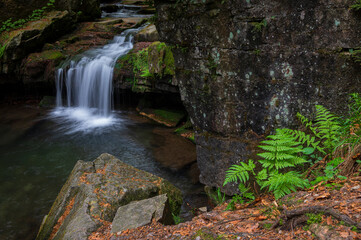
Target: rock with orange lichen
[[95, 190]]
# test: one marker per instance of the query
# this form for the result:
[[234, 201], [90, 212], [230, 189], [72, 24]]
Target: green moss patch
[[149, 62], [186, 131], [160, 59], [168, 115], [46, 55], [169, 118]]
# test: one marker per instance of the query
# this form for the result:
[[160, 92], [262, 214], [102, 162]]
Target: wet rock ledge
[[107, 190]]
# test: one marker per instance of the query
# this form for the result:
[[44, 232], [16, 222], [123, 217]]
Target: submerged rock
[[93, 193]]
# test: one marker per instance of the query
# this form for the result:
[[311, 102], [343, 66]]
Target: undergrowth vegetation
[[356, 6], [326, 147], [37, 14], [9, 24]]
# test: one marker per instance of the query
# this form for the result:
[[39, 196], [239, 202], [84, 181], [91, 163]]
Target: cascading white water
[[88, 83]]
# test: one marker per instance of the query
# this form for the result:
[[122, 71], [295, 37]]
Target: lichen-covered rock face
[[245, 67], [93, 193]]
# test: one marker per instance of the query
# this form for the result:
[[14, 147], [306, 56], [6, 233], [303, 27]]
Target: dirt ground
[[329, 210]]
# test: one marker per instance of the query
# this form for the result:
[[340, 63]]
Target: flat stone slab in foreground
[[93, 193], [140, 213]]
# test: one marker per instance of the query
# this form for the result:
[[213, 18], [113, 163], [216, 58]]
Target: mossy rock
[[93, 193], [186, 131], [169, 118], [134, 2], [17, 44], [170, 115], [47, 55], [160, 59]]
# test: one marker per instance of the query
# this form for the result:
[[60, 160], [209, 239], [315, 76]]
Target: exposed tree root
[[292, 218]]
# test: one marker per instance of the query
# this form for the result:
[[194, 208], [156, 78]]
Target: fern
[[351, 124], [325, 130], [280, 151], [356, 6], [286, 149], [244, 195], [307, 123], [328, 127], [305, 139], [239, 172], [282, 184]]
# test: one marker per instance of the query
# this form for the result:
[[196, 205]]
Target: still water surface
[[39, 149]]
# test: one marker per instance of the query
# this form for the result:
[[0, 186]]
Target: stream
[[39, 148]]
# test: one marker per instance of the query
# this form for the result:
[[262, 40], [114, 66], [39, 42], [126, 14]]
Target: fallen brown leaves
[[62, 218], [254, 221]]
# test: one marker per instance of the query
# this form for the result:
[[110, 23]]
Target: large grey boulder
[[140, 213], [247, 67], [93, 193]]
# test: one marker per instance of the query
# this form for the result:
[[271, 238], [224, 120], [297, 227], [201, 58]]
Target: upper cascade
[[88, 82]]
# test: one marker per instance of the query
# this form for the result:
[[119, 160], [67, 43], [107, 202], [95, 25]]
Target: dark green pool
[[37, 154]]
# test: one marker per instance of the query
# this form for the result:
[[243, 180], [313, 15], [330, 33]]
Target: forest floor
[[329, 210]]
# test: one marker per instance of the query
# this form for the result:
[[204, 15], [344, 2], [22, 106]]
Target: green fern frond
[[328, 126], [305, 139], [282, 184], [239, 172], [281, 152], [307, 123]]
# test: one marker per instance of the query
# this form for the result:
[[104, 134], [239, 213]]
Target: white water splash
[[86, 120], [88, 85]]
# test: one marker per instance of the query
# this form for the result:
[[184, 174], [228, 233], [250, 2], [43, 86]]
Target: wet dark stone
[[249, 66]]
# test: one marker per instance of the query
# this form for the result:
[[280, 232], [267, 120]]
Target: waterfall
[[89, 81]]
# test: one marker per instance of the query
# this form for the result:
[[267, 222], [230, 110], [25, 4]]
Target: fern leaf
[[282, 184], [239, 172], [329, 127]]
